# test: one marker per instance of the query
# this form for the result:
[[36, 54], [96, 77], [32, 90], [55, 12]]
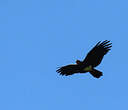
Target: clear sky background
[[37, 36]]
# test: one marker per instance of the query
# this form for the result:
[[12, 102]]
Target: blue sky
[[37, 36]]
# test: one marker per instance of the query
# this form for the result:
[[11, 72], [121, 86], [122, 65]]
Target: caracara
[[93, 59]]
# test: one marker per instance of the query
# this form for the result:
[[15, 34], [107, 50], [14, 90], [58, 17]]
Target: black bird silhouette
[[93, 59]]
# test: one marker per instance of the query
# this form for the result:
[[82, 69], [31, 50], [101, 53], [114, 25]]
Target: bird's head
[[78, 62]]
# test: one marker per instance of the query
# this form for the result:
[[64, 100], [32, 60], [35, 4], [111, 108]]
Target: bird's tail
[[96, 73]]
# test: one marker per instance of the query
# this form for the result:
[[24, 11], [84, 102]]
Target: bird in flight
[[93, 59]]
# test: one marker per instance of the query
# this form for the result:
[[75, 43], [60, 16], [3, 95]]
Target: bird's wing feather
[[94, 57], [68, 70]]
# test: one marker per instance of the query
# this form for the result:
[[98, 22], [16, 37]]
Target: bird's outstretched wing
[[68, 70], [95, 56]]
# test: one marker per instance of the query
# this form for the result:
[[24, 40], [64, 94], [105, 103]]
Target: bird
[[92, 60]]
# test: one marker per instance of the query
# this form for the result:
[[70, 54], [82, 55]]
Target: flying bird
[[93, 59]]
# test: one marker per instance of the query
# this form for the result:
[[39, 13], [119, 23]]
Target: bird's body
[[93, 59]]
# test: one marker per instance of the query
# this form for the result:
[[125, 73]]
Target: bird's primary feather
[[95, 56], [69, 69]]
